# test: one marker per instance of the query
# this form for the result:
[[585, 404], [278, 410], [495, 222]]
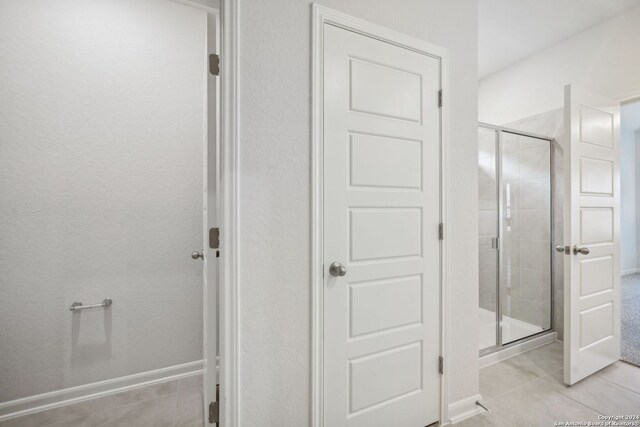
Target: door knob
[[197, 254], [338, 270], [560, 248], [583, 251]]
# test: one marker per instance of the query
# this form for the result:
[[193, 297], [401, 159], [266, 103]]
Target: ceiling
[[511, 30]]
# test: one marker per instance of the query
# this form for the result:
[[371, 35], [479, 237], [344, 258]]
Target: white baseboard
[[630, 271], [464, 408], [516, 349], [67, 396]]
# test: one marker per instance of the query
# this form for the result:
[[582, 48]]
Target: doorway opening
[[110, 185], [629, 232]]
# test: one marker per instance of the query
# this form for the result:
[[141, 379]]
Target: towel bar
[[77, 306]]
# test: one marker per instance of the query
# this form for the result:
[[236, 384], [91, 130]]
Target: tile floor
[[527, 390], [175, 403]]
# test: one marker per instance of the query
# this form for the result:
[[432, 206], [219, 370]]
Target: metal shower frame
[[499, 131]]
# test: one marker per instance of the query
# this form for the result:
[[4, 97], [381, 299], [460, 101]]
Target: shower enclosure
[[515, 236]]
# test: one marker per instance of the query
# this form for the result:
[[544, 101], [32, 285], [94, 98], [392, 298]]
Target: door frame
[[228, 146], [320, 16], [227, 368]]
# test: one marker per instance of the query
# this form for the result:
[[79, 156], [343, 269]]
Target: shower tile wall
[[551, 124], [487, 217]]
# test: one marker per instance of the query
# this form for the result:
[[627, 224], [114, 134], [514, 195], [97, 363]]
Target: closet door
[[381, 240]]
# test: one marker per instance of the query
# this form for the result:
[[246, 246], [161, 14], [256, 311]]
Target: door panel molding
[[322, 16], [592, 222]]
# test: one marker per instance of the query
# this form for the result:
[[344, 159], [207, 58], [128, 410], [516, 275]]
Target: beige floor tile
[[540, 403], [600, 395], [84, 421], [518, 398], [189, 405], [486, 419], [623, 374], [175, 402], [137, 395], [541, 361], [55, 416], [501, 378], [158, 412]]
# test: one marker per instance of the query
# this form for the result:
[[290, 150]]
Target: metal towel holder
[[77, 306]]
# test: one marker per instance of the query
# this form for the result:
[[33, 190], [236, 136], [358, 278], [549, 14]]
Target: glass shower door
[[514, 239], [525, 236]]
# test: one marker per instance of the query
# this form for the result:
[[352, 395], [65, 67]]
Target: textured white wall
[[603, 59], [101, 118], [275, 214]]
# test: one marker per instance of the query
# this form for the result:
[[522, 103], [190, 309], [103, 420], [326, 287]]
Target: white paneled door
[[591, 234], [381, 160]]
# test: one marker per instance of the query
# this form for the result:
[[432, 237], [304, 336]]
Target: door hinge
[[495, 243], [214, 239], [440, 98], [214, 413], [441, 231], [214, 408], [214, 64], [441, 365]]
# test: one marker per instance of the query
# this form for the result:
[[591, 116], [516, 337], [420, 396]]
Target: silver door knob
[[197, 254], [560, 248], [583, 251], [338, 270]]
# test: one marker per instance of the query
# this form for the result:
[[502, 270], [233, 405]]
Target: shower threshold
[[493, 354], [512, 329]]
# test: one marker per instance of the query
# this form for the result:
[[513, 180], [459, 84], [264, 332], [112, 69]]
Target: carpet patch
[[630, 319]]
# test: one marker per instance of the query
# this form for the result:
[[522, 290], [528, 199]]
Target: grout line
[[584, 404], [616, 384], [518, 386], [522, 370], [581, 404], [558, 392]]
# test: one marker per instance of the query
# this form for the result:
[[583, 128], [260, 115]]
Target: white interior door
[[381, 218], [592, 225]]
